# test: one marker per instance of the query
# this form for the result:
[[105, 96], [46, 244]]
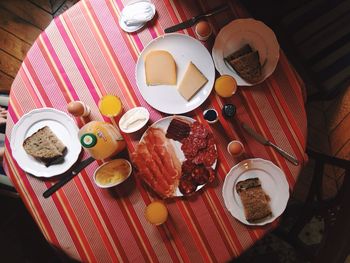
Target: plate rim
[[192, 120], [283, 178], [239, 22], [167, 36], [15, 152]]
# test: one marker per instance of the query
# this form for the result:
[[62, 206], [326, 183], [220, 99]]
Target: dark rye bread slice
[[240, 52], [44, 146], [255, 201], [248, 66]]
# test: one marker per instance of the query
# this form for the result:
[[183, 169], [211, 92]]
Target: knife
[[266, 142], [195, 19], [67, 178]]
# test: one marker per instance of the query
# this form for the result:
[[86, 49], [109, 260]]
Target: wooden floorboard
[[5, 82], [9, 64], [13, 45], [28, 12], [18, 26], [43, 4]]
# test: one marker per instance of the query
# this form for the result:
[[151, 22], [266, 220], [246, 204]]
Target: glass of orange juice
[[156, 213], [225, 86], [110, 106]]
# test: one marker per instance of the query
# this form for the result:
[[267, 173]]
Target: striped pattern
[[83, 55]]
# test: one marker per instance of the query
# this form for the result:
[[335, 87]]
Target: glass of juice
[[110, 106], [156, 213]]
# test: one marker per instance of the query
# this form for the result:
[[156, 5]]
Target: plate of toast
[[45, 142], [247, 50], [256, 191]]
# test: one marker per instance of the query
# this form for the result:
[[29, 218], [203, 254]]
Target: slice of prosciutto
[[157, 163]]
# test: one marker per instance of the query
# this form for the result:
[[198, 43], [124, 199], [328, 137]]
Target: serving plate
[[184, 49], [246, 31], [164, 124], [64, 128], [273, 182]]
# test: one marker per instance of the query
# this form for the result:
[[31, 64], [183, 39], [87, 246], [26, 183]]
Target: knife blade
[[190, 22], [267, 142]]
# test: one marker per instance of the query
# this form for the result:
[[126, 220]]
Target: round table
[[83, 55]]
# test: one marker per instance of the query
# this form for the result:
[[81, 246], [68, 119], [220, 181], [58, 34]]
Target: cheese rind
[[192, 82], [160, 68]]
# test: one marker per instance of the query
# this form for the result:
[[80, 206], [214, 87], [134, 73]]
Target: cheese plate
[[184, 49]]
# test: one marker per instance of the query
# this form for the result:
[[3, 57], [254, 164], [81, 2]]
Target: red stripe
[[282, 121], [105, 39], [37, 83], [259, 119], [189, 217], [69, 227], [30, 89], [291, 119], [35, 208], [97, 221], [104, 215]]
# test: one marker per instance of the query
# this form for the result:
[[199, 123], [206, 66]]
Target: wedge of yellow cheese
[[192, 82], [160, 68]]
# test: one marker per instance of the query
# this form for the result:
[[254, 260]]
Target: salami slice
[[199, 130]]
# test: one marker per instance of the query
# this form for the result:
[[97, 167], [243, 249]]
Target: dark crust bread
[[255, 201], [240, 52], [248, 66], [44, 146]]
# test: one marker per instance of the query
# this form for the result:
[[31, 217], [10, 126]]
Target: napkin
[[138, 13]]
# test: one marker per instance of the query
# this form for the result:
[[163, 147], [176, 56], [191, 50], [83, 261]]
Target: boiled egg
[[203, 30], [76, 108], [235, 148]]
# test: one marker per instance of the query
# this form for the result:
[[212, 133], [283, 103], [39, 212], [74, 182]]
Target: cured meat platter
[[176, 156]]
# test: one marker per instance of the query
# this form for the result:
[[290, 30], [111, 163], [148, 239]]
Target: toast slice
[[240, 52], [248, 66], [255, 201], [45, 146]]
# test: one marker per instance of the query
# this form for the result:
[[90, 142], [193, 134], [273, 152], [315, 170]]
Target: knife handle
[[286, 155], [67, 178]]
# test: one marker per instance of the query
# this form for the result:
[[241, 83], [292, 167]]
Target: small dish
[[112, 173], [134, 120]]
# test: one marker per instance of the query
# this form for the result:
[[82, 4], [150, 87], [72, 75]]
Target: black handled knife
[[192, 21]]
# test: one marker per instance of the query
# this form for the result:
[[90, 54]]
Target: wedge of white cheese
[[192, 82]]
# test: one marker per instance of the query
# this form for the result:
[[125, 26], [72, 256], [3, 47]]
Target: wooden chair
[[314, 35], [335, 242]]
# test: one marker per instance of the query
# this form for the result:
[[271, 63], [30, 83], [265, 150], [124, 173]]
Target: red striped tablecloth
[[84, 54]]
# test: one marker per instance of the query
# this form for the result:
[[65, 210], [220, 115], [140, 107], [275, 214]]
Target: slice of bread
[[248, 66], [255, 201], [240, 52], [44, 146]]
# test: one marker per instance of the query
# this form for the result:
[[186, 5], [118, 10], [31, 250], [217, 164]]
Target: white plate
[[164, 124], [64, 128], [184, 49], [272, 179], [246, 31]]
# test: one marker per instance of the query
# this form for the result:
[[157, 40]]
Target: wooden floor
[[19, 28]]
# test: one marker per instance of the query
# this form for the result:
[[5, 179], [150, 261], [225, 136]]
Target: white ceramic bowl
[[134, 125], [117, 182]]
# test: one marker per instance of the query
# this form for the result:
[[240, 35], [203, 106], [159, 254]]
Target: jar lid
[[88, 140]]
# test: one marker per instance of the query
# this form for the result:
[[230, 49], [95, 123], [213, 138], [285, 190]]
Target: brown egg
[[76, 108], [235, 148], [203, 30]]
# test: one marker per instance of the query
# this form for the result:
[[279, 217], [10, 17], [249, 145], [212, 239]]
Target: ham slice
[[157, 163]]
